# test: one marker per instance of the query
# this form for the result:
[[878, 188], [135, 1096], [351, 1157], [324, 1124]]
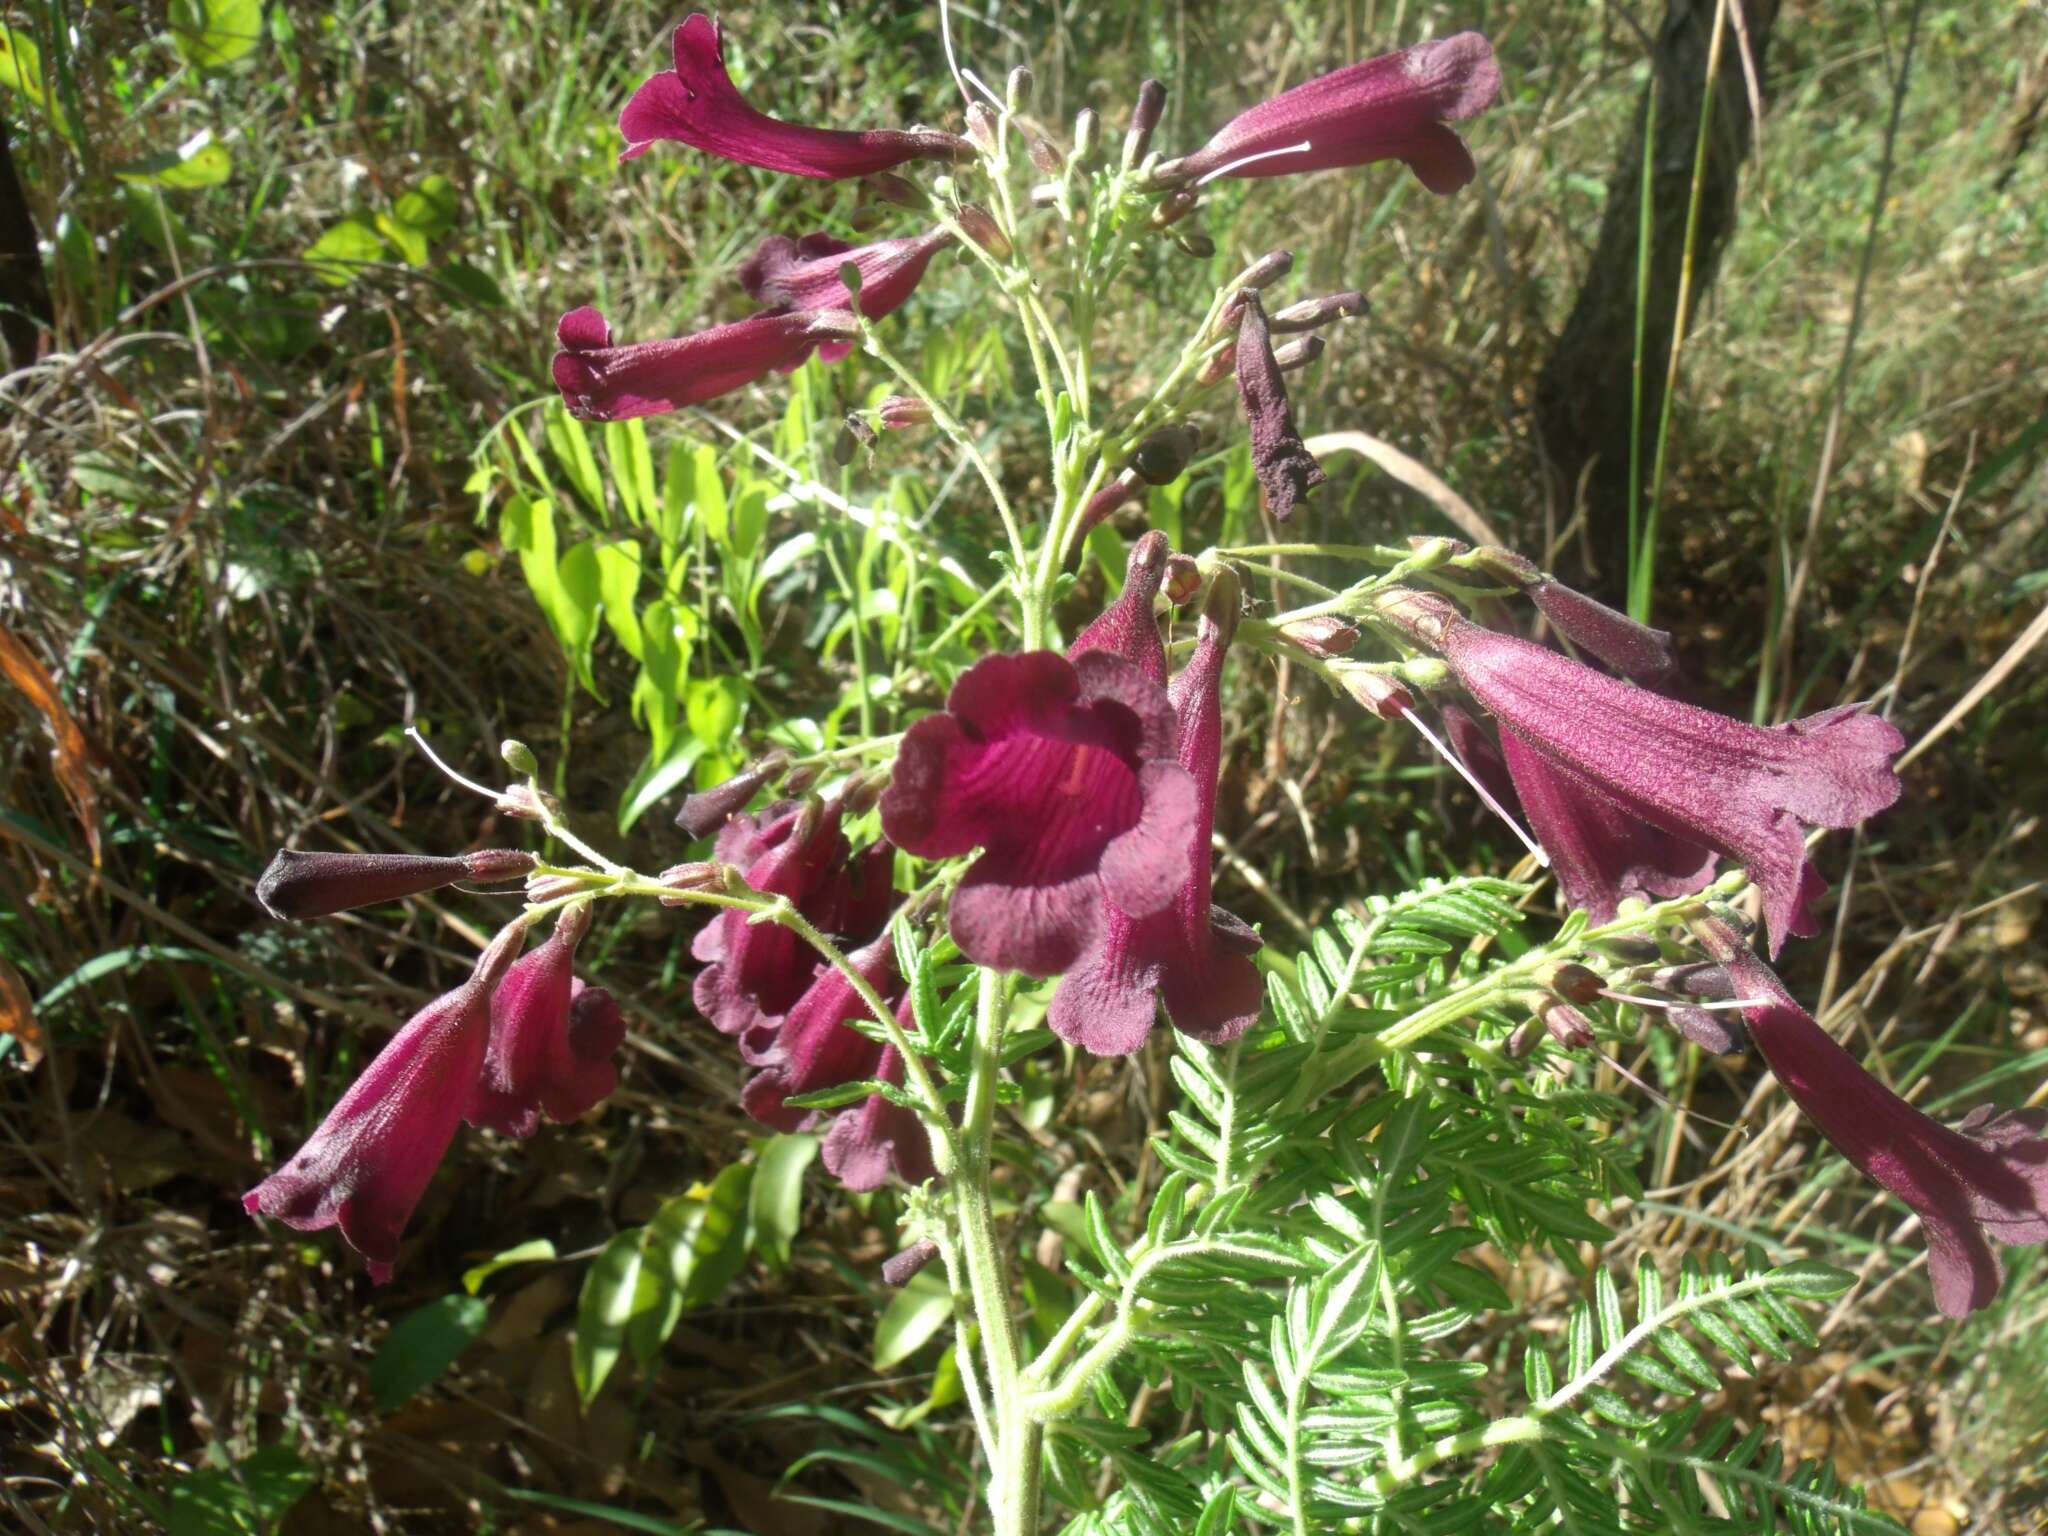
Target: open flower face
[[806, 274], [1390, 108], [1063, 774], [1745, 791], [696, 103], [602, 382], [1983, 1182], [371, 1159]]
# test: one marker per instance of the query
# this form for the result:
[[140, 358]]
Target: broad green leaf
[[571, 445], [749, 521], [198, 162], [246, 1501], [345, 246], [215, 33], [946, 1391], [430, 207], [535, 1250], [423, 1344], [656, 781], [580, 595], [609, 1287], [21, 66], [708, 495], [472, 283], [410, 243], [720, 1242], [528, 527], [775, 1203], [916, 1312], [618, 585], [712, 708], [678, 490]]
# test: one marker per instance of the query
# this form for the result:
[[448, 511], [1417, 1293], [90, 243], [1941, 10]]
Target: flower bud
[[1087, 135], [1183, 579], [1325, 637], [698, 875], [1105, 501], [1424, 672], [705, 811], [1162, 457], [898, 1268], [572, 925], [542, 889], [801, 779], [863, 790], [1195, 243], [1377, 692], [1424, 617], [982, 230], [1438, 547], [1017, 89], [1567, 1026], [1720, 1033], [1523, 1040], [982, 127], [1267, 270], [1172, 208], [518, 757], [1145, 115], [891, 188], [1044, 156], [899, 411], [300, 885], [526, 803], [1311, 313], [1298, 353], [1576, 983], [1705, 980], [1631, 949], [1218, 367]]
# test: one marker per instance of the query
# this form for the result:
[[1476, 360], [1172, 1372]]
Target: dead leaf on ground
[[18, 1014], [72, 764]]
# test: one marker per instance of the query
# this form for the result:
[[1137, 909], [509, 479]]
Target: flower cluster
[[520, 1039]]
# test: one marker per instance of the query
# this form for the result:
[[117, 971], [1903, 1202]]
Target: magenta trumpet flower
[[1598, 851], [697, 104], [1287, 471], [552, 1040], [1193, 954], [876, 1137], [1983, 1182], [804, 274], [1745, 791], [814, 1049], [1390, 108], [1063, 774], [1634, 650], [371, 1159], [602, 382]]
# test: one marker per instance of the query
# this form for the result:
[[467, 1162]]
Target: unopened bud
[[1705, 980], [1325, 637], [1172, 208], [1424, 672], [1163, 455], [1218, 367], [1044, 155], [849, 274], [891, 188], [1105, 501], [801, 779], [698, 875], [1017, 89], [518, 757], [300, 885], [1577, 983], [573, 924], [1268, 269], [982, 230], [1145, 115], [1721, 1032], [982, 127], [1568, 1027], [1631, 948], [542, 889], [1311, 313], [1195, 243], [1087, 135], [1183, 579], [1298, 353], [863, 791], [1523, 1040], [898, 1268], [1435, 548], [706, 811], [527, 803], [899, 411], [1424, 617], [1377, 692]]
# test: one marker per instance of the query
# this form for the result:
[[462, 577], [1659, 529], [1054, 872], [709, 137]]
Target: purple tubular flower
[[1127, 627], [1478, 751], [814, 1049], [1598, 851], [804, 274], [1194, 955], [755, 972], [1287, 470], [697, 104], [1745, 791], [1063, 774], [602, 382], [875, 1137], [1632, 649], [371, 1159], [704, 812], [1390, 108], [551, 1043], [1982, 1182], [299, 885]]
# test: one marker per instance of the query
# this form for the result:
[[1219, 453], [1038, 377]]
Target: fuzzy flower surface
[[1747, 792], [369, 1162], [602, 382], [788, 274], [1287, 471], [1193, 955], [1394, 107], [552, 1040], [1063, 774], [696, 103], [1981, 1183], [299, 885]]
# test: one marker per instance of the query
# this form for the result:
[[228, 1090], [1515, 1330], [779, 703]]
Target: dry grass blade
[[72, 758], [1998, 672], [1413, 474]]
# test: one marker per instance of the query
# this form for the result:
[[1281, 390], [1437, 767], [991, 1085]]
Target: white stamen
[[1664, 1099], [982, 86], [1667, 1004], [946, 39], [1264, 154], [435, 758], [1535, 849]]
